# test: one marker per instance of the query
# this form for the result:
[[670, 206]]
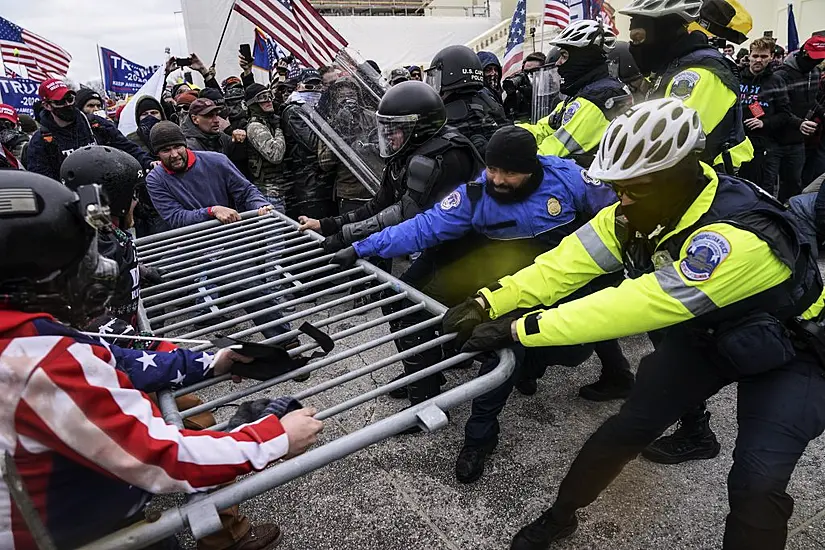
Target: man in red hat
[[64, 128], [799, 151], [11, 136]]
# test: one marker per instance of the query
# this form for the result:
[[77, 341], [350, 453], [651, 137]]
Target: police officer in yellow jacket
[[594, 97], [573, 131], [686, 67], [720, 270]]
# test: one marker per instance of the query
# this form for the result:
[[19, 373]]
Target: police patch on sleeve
[[571, 110], [704, 254], [590, 180], [683, 84], [451, 201]]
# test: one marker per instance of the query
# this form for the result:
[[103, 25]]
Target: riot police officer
[[458, 77], [426, 161], [594, 97], [722, 272]]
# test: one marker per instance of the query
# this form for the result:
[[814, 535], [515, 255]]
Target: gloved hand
[[334, 243], [345, 258], [490, 336], [463, 318]]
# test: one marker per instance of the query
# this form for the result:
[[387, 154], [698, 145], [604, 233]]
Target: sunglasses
[[67, 100]]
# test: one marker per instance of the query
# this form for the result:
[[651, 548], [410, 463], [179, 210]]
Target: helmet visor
[[394, 132], [434, 78]]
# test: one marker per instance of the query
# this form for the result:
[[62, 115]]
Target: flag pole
[[100, 67], [223, 33]]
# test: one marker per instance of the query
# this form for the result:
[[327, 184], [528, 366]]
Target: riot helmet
[[117, 173], [409, 114], [455, 68], [49, 260]]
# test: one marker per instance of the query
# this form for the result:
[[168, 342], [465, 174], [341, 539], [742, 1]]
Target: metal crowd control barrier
[[250, 263]]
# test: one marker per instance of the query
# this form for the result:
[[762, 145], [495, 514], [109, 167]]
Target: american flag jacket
[[91, 448]]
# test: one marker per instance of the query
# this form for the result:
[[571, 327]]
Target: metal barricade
[[213, 270]]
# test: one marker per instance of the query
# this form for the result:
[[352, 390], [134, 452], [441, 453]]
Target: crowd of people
[[660, 191]]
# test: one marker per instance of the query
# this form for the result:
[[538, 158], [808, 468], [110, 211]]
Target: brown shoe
[[260, 537]]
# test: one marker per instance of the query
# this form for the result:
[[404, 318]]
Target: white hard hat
[[650, 137], [586, 32], [686, 9]]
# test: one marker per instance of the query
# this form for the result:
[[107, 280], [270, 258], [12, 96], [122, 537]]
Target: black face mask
[[666, 206], [147, 123], [65, 113], [517, 195]]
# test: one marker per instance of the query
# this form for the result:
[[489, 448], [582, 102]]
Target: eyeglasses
[[67, 100], [638, 192]]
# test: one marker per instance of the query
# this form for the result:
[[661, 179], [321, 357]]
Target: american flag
[[556, 13], [297, 26], [514, 52], [42, 59]]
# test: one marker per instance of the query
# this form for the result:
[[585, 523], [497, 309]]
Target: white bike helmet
[[650, 137], [687, 9], [586, 32]]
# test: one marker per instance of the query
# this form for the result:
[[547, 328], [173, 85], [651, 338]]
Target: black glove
[[490, 336], [463, 318], [334, 243], [345, 258]]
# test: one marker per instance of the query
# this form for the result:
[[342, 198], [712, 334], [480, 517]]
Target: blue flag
[[20, 93], [120, 75], [793, 34]]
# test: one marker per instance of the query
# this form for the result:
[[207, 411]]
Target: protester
[[767, 112], [64, 128], [800, 76]]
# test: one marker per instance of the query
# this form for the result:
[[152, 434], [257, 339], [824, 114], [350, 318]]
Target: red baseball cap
[[7, 112], [815, 47], [53, 89]]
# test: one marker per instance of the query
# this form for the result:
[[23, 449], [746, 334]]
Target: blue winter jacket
[[566, 198]]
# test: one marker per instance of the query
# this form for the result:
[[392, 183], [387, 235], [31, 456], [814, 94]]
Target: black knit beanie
[[164, 134], [513, 149]]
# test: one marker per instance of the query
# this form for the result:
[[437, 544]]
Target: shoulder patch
[[571, 110], [705, 252], [683, 84], [451, 201], [590, 180], [553, 206]]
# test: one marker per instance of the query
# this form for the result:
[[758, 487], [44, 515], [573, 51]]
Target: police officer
[[119, 175], [521, 206], [721, 271], [456, 74], [688, 68], [426, 161], [594, 97]]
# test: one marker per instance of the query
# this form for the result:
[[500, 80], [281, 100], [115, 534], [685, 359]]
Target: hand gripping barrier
[[263, 265]]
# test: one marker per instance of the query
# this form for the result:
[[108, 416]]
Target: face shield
[[546, 84], [433, 79], [394, 132]]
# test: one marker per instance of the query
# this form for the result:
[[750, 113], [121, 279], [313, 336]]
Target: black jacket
[[52, 143], [198, 140], [767, 90], [802, 90]]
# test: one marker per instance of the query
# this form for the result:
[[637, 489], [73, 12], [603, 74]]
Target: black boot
[[692, 440], [614, 384], [538, 534], [470, 462]]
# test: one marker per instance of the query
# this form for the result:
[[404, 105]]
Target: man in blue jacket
[[521, 206], [64, 128]]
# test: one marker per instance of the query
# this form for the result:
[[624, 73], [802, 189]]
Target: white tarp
[[390, 41], [153, 87]]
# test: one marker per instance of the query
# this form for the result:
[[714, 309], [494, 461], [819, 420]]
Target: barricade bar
[[258, 280]]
